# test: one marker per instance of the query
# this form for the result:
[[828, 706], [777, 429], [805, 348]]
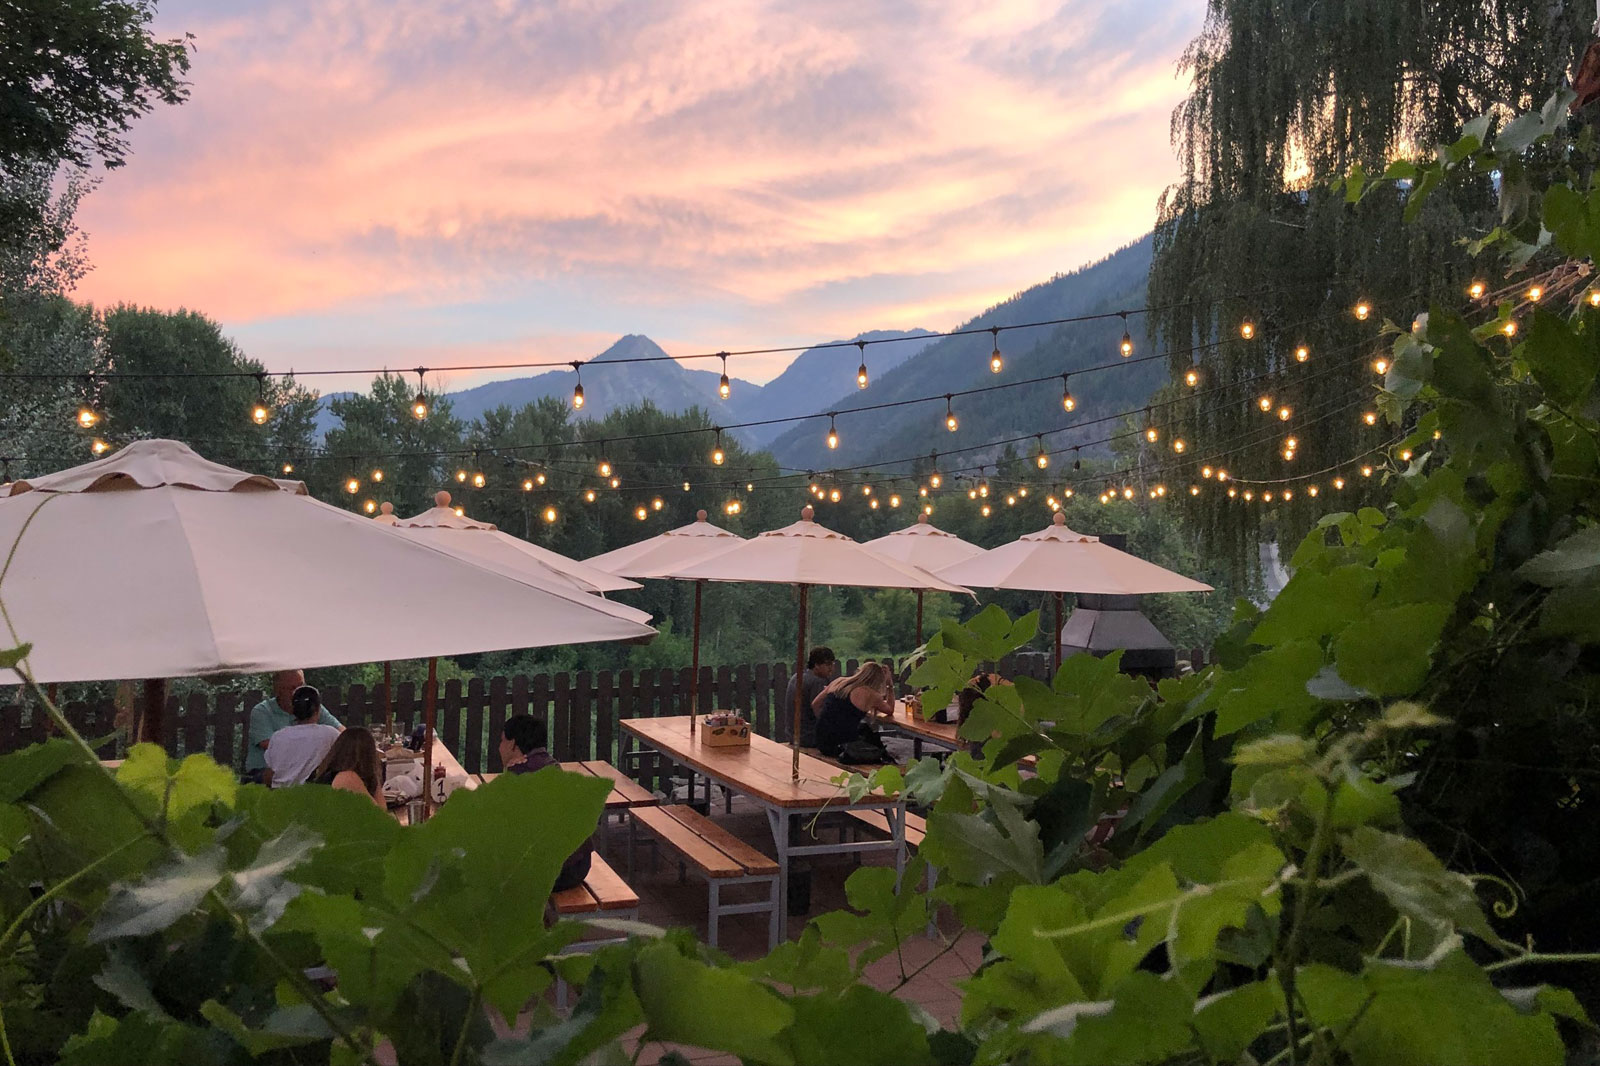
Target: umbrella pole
[[153, 726], [919, 618], [694, 676], [388, 701], [429, 695], [799, 687], [1055, 640]]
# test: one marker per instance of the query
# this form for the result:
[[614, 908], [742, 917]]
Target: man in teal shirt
[[271, 715]]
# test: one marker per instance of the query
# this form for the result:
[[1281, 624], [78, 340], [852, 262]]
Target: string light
[[616, 482], [1011, 501], [1192, 377], [833, 434], [1127, 493], [641, 513], [1366, 471], [419, 406], [1069, 493], [1126, 347], [539, 478], [1301, 354], [1232, 493], [1370, 417], [461, 476], [478, 480], [1178, 445], [1313, 490], [550, 514], [370, 506], [1222, 475], [1285, 413], [996, 364], [950, 422], [1022, 490], [577, 390], [259, 411], [99, 447], [527, 484], [866, 490], [1292, 443], [1476, 290], [377, 474], [724, 386], [1510, 328], [588, 495], [861, 371], [985, 510], [717, 454], [894, 499], [1266, 497], [1042, 460], [352, 486], [1405, 456], [1288, 455], [461, 512], [1194, 490], [1380, 365], [922, 491], [873, 503], [1247, 329], [1205, 472], [288, 468], [1362, 310], [1105, 498], [1594, 297], [749, 486], [686, 486], [88, 417], [1152, 434], [604, 468], [927, 509], [1265, 403], [1338, 482], [657, 503], [1067, 402], [834, 495], [1248, 495], [1535, 293]]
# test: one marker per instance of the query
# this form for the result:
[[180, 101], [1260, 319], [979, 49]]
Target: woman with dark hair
[[352, 765]]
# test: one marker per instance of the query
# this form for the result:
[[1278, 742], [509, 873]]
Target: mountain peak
[[630, 346]]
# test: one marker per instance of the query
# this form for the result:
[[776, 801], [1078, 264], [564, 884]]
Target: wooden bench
[[603, 894], [716, 855]]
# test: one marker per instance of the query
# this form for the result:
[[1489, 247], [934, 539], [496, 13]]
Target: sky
[[369, 183]]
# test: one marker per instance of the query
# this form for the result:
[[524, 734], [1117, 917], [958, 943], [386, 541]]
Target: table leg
[[779, 822], [916, 747]]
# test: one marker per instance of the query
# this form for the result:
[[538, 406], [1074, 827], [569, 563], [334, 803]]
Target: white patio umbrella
[[658, 556], [806, 554], [1059, 560], [483, 543], [926, 545], [155, 563]]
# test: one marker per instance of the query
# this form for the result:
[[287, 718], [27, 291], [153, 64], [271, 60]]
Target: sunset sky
[[404, 182]]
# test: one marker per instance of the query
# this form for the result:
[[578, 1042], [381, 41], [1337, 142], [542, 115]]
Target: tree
[[1286, 98], [379, 432]]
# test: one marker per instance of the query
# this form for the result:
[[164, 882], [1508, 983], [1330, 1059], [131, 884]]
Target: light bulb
[[972, 494], [1405, 456], [1069, 494], [616, 482], [1370, 418], [527, 484], [288, 468], [1067, 402], [88, 417], [996, 363], [749, 486], [550, 514], [833, 438], [894, 499], [1265, 403], [99, 447], [1301, 354], [1248, 495], [985, 510], [718, 456], [927, 508], [604, 468], [539, 478], [1043, 460], [1535, 293], [1266, 497], [1284, 413], [1161, 491], [1105, 498], [588, 495], [1022, 490], [260, 413], [577, 395], [1312, 491], [1194, 490], [1127, 493], [1288, 454], [1380, 365], [873, 503], [935, 480], [1151, 434], [1338, 482], [1205, 472], [419, 407], [724, 388], [1437, 434], [1233, 493], [866, 490], [922, 491], [1222, 475], [1292, 443], [861, 376], [950, 423], [834, 495], [461, 475], [1366, 471], [685, 486], [983, 490], [1247, 329], [1127, 345], [1476, 290], [478, 480], [1011, 501], [641, 514], [1362, 310], [1191, 378], [352, 486], [1178, 445], [1510, 328], [1594, 298], [377, 474]]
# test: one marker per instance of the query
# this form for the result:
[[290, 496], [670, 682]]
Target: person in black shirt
[[522, 751], [821, 668], [847, 704]]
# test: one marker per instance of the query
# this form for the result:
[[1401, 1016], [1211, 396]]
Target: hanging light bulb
[[1291, 443], [834, 495], [1194, 490], [718, 456], [604, 467], [1366, 471], [461, 476], [377, 473], [922, 491], [1247, 329], [724, 386], [461, 512], [934, 480], [1205, 472], [539, 478], [1233, 493], [577, 390], [927, 508], [616, 482], [983, 484], [288, 468], [686, 486], [972, 494], [1370, 418], [861, 371], [478, 480], [1161, 491], [1151, 434], [1405, 455], [894, 499], [1301, 354], [1535, 293], [873, 503], [1191, 377], [99, 447], [1067, 402], [1437, 434], [1248, 495], [1127, 493], [1362, 309], [527, 484], [1380, 365], [1312, 491], [1222, 475], [1476, 290], [1338, 482], [950, 422], [1042, 460], [1284, 413], [1510, 328], [1077, 463], [1594, 297], [866, 490], [88, 417], [1105, 498], [1178, 445], [588, 495], [1011, 501], [749, 486], [259, 411], [352, 486], [641, 513], [833, 434], [1069, 493], [1022, 490], [550, 514], [985, 510], [1288, 454], [370, 506], [1126, 347], [1266, 497], [1265, 403], [419, 406], [996, 364]]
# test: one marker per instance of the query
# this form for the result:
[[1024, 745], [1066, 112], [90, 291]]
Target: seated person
[[295, 751], [966, 699], [821, 667], [271, 715], [842, 729], [522, 751], [352, 765]]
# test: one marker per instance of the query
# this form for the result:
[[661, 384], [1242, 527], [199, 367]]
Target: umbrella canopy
[[153, 563], [457, 534], [658, 556], [1056, 559], [806, 553], [926, 545]]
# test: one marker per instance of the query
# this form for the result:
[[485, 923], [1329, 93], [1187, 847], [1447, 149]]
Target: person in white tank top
[[295, 751]]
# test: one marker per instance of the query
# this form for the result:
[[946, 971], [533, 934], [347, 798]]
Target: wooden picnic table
[[763, 773], [921, 731], [626, 793]]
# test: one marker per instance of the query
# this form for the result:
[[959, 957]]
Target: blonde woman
[[843, 708]]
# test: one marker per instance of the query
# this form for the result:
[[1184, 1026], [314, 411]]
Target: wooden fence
[[581, 709]]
